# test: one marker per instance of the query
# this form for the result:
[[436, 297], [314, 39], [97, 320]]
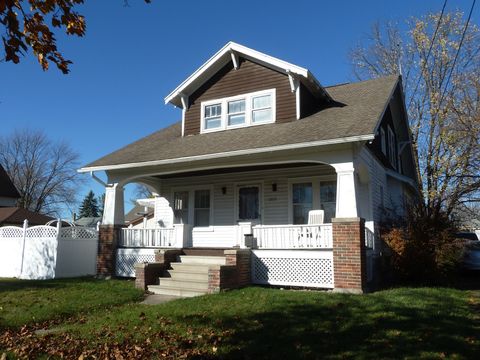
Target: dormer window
[[238, 111]]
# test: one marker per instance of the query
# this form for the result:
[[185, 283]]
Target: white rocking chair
[[315, 217]]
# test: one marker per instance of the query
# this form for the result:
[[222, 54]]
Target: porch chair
[[315, 217]]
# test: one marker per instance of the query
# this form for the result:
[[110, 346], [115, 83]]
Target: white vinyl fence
[[47, 252]]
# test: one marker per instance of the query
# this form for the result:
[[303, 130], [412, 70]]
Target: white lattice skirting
[[309, 268], [127, 258]]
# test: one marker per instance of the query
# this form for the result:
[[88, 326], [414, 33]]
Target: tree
[[440, 64], [43, 171], [101, 204], [89, 207], [31, 25]]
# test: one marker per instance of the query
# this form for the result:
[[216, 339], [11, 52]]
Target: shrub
[[423, 247]]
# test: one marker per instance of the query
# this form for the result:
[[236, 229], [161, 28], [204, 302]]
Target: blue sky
[[132, 57]]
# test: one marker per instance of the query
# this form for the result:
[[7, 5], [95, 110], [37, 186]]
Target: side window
[[302, 202], [328, 199], [180, 207], [201, 213], [392, 148], [383, 141]]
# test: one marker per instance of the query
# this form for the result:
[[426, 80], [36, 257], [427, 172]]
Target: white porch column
[[113, 212], [346, 196]]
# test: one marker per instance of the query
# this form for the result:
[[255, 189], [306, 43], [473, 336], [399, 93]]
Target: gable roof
[[226, 55], [16, 215], [7, 189], [360, 107]]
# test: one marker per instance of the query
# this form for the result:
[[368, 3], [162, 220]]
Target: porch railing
[[144, 238], [293, 236]]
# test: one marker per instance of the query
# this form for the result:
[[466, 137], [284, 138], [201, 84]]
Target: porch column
[[349, 255], [346, 196], [109, 232]]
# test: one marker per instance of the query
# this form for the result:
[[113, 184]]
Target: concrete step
[[174, 291], [184, 284], [192, 268], [181, 275], [202, 260]]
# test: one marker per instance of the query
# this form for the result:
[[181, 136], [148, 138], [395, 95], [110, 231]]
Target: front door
[[249, 204]]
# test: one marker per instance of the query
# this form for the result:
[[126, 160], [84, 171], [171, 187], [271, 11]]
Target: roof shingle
[[360, 107]]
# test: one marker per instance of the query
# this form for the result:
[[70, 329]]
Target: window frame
[[248, 97], [191, 203]]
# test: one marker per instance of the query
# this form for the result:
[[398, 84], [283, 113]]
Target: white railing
[[293, 236], [143, 238], [369, 239]]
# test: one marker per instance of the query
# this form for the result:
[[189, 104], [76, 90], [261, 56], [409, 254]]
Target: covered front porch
[[250, 204]]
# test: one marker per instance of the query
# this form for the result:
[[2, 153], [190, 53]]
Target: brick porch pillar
[[108, 236], [349, 257]]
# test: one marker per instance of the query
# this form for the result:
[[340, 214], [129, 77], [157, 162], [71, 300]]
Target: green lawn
[[104, 318]]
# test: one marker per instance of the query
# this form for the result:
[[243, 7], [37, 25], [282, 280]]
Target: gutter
[[229, 153]]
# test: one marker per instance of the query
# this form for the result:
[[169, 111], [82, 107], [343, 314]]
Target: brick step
[[201, 285], [202, 260], [175, 291], [185, 275]]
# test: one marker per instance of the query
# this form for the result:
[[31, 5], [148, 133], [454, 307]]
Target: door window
[[248, 203]]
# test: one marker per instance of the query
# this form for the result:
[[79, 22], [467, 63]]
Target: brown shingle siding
[[249, 77]]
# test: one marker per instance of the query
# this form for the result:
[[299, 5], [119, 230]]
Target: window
[[383, 141], [213, 116], [248, 203], [238, 111], [301, 202], [262, 109], [392, 148], [328, 199], [180, 207], [201, 215]]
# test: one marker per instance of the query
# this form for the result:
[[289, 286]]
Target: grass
[[254, 322]]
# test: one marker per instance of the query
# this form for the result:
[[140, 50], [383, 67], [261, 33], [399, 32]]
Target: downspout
[[97, 179]]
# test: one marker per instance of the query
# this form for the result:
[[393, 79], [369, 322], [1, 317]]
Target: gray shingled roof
[[363, 104]]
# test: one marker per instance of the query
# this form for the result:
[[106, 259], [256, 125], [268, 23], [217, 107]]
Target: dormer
[[240, 87]]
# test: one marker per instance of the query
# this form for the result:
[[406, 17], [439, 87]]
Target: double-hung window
[[262, 109], [238, 111], [328, 199], [213, 116], [302, 201], [201, 214]]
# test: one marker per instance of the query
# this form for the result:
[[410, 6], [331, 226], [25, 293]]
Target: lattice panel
[[78, 233], [11, 232], [293, 271], [41, 231], [125, 263]]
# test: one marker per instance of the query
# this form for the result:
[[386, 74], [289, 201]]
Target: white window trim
[[248, 111], [191, 202], [315, 181]]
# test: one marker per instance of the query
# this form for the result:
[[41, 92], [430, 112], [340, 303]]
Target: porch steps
[[188, 277]]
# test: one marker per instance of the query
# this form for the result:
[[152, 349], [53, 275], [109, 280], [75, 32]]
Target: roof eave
[[349, 139]]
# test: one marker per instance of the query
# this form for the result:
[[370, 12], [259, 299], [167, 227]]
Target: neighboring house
[[140, 216], [15, 216], [90, 221], [8, 192], [261, 143]]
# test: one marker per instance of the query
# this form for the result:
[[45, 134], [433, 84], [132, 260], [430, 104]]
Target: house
[[141, 216], [260, 145], [8, 192], [15, 216]]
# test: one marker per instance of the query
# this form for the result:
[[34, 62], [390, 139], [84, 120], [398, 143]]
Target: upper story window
[[392, 148], [238, 111]]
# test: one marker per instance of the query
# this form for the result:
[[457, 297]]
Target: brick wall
[[349, 261], [148, 273], [107, 245], [235, 274]]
